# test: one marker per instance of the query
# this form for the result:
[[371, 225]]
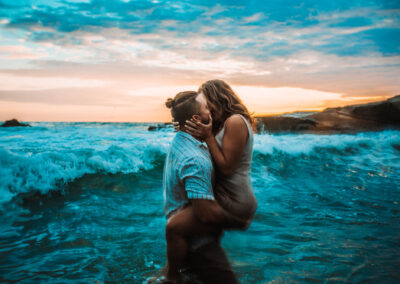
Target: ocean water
[[82, 202]]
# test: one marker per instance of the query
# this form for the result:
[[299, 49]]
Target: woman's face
[[216, 112], [204, 110]]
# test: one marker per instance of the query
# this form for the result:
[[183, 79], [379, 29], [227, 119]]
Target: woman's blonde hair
[[221, 95]]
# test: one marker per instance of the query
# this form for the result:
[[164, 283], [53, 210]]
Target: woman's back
[[234, 191]]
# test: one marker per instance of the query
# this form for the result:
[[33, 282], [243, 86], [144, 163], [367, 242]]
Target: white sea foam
[[47, 155], [306, 143], [42, 160]]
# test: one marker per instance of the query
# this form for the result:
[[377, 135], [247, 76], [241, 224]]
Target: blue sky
[[108, 55]]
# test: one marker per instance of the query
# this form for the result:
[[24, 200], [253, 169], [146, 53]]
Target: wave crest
[[49, 163], [49, 170]]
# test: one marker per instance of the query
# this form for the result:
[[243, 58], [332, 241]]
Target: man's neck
[[183, 130]]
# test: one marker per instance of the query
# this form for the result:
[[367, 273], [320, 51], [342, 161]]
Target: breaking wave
[[49, 155]]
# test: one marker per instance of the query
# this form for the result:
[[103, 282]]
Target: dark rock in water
[[158, 126], [13, 122], [348, 119]]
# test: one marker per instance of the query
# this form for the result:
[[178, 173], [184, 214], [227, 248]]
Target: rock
[[348, 119], [386, 112], [13, 122], [283, 124], [159, 126]]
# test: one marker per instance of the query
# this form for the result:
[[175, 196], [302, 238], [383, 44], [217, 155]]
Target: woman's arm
[[236, 134]]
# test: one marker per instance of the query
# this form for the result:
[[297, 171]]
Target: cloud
[[310, 70], [77, 96], [274, 28], [19, 52], [253, 18], [72, 49], [27, 111], [264, 100], [10, 82]]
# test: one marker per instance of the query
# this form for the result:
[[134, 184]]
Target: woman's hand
[[176, 125], [198, 129]]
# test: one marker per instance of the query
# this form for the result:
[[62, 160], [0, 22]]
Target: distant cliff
[[354, 118]]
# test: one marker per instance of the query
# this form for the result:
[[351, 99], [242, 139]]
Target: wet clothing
[[210, 265], [188, 173], [234, 192]]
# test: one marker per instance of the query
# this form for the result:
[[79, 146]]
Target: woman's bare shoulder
[[235, 121]]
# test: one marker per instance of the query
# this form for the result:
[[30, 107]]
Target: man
[[188, 179]]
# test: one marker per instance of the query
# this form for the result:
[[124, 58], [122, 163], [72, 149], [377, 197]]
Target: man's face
[[204, 111]]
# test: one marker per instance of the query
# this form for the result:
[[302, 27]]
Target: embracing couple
[[206, 182]]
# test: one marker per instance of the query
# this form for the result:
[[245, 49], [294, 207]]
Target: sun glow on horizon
[[147, 104]]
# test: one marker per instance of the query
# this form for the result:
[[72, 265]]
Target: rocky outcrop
[[348, 119], [158, 126], [13, 122], [282, 124]]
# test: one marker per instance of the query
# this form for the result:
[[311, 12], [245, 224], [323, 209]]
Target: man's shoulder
[[186, 153], [178, 142], [187, 158], [191, 157], [184, 149]]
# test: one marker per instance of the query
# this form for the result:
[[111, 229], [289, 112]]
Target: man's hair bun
[[170, 103], [183, 106]]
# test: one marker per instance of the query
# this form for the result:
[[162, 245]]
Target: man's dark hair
[[183, 106]]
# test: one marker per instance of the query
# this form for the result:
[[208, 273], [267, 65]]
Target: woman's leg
[[183, 224]]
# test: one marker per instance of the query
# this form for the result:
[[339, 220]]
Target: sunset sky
[[120, 60]]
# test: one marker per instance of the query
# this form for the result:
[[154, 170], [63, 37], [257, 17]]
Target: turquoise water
[[82, 202]]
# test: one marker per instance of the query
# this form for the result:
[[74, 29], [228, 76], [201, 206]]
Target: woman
[[229, 139]]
